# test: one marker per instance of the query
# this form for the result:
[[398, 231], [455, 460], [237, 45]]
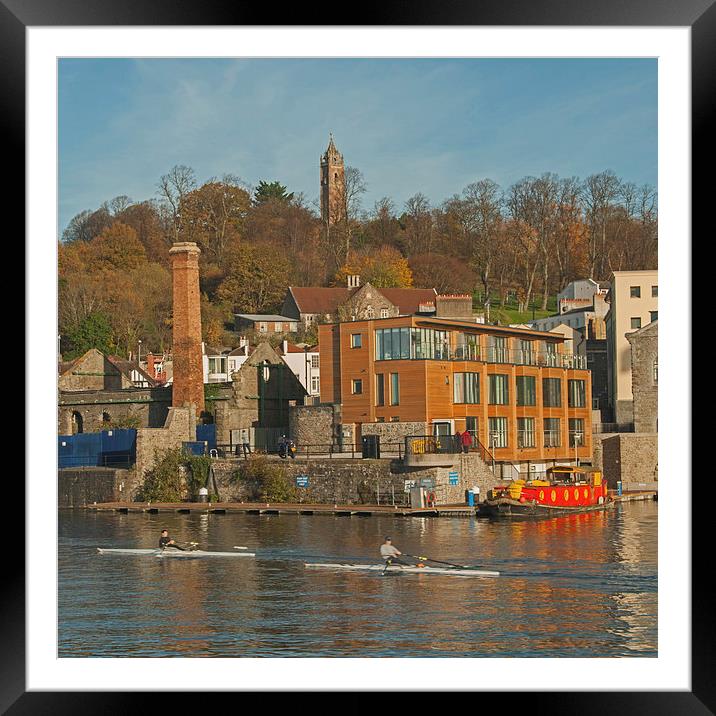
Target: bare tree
[[599, 194], [172, 189]]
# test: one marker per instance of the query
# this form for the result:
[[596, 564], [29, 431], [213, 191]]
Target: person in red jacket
[[466, 440]]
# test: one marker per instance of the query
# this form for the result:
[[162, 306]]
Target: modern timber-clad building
[[519, 392]]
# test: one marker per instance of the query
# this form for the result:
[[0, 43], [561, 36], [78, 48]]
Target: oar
[[437, 561]]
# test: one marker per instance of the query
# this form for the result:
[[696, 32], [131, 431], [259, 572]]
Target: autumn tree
[[384, 268], [257, 277], [118, 247]]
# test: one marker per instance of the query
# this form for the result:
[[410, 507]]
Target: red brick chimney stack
[[188, 386]]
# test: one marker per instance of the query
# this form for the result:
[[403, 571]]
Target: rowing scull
[[408, 569], [174, 552]]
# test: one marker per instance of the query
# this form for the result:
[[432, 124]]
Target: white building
[[633, 304], [304, 362]]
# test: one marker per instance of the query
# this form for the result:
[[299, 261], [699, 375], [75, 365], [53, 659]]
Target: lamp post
[[139, 352], [305, 365], [493, 442], [577, 438]]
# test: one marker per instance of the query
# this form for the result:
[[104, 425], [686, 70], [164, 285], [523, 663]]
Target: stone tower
[[333, 185], [188, 386]]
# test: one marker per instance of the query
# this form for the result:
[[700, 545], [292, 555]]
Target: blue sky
[[410, 125]]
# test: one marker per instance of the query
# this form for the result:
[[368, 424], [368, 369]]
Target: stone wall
[[394, 432], [629, 457], [257, 401], [358, 481], [180, 427], [314, 424], [94, 371], [78, 486], [149, 406], [644, 386]]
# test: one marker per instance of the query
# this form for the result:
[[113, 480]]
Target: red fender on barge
[[565, 489]]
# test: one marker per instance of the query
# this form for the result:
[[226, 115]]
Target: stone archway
[[77, 422]]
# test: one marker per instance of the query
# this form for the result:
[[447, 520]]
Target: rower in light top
[[389, 552]]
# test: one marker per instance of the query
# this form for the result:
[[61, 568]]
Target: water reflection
[[582, 585]]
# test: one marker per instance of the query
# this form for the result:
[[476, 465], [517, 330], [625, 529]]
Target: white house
[[303, 361]]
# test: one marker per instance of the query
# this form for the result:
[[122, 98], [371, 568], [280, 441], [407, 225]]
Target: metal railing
[[542, 359], [313, 450], [432, 444]]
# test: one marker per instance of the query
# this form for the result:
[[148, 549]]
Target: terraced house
[[517, 391]]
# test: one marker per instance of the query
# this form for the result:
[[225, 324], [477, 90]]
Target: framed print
[[189, 169]]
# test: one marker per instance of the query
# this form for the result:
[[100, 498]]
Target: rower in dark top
[[166, 541]]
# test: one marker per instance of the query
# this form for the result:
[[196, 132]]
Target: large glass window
[[526, 390], [552, 432], [552, 392], [404, 343], [394, 389], [525, 432], [466, 388], [576, 432], [577, 393], [471, 425], [499, 390], [379, 389], [498, 432]]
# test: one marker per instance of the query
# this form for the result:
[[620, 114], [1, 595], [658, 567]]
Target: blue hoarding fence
[[207, 434], [195, 447], [109, 448]]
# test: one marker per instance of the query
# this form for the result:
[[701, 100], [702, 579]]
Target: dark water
[[577, 586]]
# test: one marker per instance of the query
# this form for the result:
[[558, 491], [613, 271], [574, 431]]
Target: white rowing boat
[[407, 569], [174, 552]]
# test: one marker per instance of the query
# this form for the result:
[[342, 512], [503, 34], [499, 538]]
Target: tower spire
[[333, 184]]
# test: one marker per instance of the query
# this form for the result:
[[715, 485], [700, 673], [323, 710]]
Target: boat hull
[[505, 507], [401, 569]]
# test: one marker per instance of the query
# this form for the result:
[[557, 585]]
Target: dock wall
[[80, 486]]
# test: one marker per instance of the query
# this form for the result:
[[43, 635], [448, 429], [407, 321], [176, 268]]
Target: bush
[[265, 480], [175, 475]]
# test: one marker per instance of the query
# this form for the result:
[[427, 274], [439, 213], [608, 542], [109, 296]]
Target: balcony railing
[[519, 356]]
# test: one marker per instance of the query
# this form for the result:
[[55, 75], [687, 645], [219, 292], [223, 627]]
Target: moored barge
[[566, 489]]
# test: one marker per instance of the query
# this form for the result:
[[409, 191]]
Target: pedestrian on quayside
[[466, 440], [389, 552], [166, 541]]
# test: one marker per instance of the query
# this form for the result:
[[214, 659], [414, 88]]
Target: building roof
[[318, 299], [292, 348], [408, 300], [489, 328], [265, 317], [127, 366], [123, 366]]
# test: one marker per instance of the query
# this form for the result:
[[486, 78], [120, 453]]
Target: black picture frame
[[699, 15]]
